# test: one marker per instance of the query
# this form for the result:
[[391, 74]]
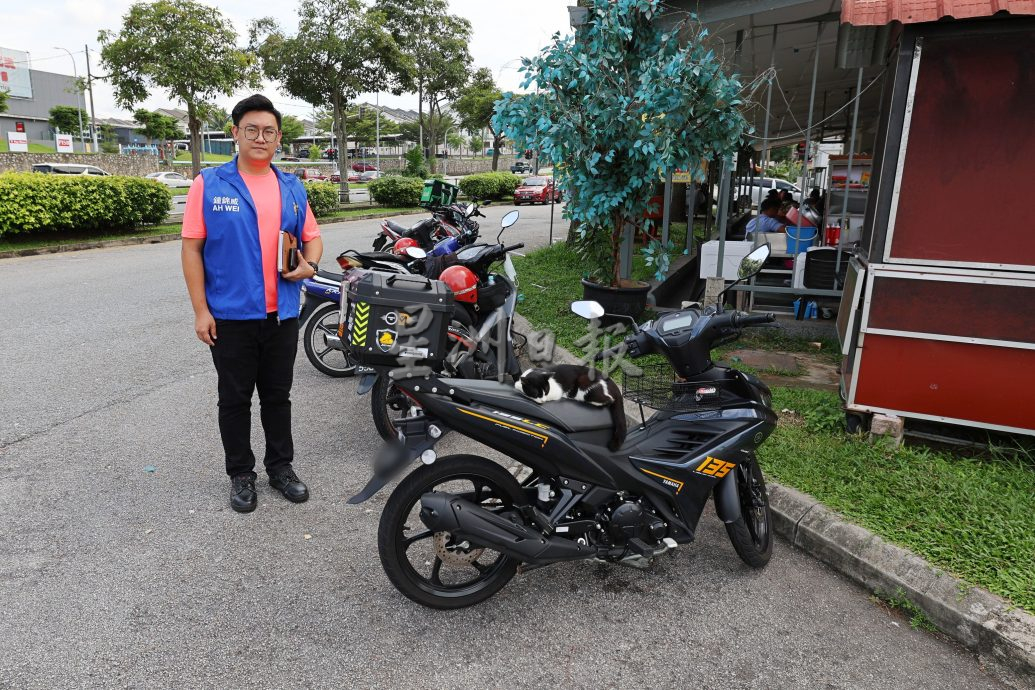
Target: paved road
[[115, 576]]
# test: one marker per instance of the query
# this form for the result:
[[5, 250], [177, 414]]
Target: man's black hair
[[768, 204], [256, 103]]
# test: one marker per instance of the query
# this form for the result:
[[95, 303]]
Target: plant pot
[[629, 299]]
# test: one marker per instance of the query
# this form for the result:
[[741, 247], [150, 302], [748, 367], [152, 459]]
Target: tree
[[436, 44], [410, 131], [3, 100], [291, 128], [614, 106], [363, 125], [476, 105], [157, 126], [341, 49], [477, 144], [65, 118], [183, 47], [109, 139]]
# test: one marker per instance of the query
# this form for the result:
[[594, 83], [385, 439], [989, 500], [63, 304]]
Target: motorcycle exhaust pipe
[[443, 512], [334, 342]]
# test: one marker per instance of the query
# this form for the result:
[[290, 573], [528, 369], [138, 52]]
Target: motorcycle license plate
[[508, 268]]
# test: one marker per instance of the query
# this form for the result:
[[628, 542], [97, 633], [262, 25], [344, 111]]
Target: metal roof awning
[[880, 12]]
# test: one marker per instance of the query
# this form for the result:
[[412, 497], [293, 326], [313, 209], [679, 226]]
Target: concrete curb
[[983, 622], [155, 239]]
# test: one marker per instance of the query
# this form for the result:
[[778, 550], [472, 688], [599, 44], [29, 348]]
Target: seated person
[[766, 220]]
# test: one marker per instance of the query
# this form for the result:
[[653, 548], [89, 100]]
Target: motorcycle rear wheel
[[752, 533], [461, 574], [387, 402], [323, 322]]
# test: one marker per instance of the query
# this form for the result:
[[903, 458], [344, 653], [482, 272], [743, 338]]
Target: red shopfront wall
[[964, 189], [958, 381]]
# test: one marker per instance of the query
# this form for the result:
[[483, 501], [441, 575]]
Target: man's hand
[[205, 327], [302, 271]]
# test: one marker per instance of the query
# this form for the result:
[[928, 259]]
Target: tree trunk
[[432, 136], [343, 149], [573, 234], [420, 117], [194, 125], [497, 141]]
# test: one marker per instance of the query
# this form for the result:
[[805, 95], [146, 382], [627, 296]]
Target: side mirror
[[510, 219], [416, 253], [587, 309], [752, 263]]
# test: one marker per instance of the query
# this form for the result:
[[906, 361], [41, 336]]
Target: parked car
[[310, 174], [369, 175], [533, 190], [520, 167], [169, 179], [354, 176], [364, 167], [762, 185], [335, 177], [68, 169]]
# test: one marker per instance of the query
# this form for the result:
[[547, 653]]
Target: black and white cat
[[579, 383]]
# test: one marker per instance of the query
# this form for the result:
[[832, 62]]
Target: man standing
[[246, 310]]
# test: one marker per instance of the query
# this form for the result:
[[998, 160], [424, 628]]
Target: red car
[[536, 190], [363, 167], [309, 174]]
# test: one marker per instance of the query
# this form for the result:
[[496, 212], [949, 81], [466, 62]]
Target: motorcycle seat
[[568, 415], [396, 227], [383, 257], [327, 275]]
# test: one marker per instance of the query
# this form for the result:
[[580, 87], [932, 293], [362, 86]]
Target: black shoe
[[243, 498], [288, 483]]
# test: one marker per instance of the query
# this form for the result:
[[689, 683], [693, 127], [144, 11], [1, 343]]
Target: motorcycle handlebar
[[741, 321], [512, 247], [609, 352]]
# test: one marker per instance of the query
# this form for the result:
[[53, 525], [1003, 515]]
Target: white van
[[68, 169], [759, 187]]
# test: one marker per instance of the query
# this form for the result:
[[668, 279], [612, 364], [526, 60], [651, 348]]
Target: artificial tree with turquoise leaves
[[616, 105]]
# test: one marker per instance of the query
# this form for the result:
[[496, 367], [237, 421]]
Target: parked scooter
[[454, 221], [321, 300], [458, 528], [482, 335]]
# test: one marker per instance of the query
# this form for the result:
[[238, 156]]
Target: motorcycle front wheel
[[324, 322], [436, 569], [752, 533]]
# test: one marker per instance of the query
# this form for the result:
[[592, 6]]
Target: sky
[[502, 33]]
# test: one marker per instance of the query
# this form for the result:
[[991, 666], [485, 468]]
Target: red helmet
[[462, 281], [402, 243]]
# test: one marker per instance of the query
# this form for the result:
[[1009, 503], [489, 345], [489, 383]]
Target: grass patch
[[33, 148], [366, 210], [205, 157], [52, 239], [918, 620], [967, 513]]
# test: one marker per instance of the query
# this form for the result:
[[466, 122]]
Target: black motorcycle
[[458, 528]]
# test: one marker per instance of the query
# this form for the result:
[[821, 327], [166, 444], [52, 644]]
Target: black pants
[[248, 355]]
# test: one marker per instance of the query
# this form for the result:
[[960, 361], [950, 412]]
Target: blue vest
[[234, 285]]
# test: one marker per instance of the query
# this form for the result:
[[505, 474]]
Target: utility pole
[[93, 115]]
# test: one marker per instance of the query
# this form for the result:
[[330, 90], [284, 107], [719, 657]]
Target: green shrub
[[314, 152], [491, 185], [323, 197], [416, 166], [396, 191], [33, 202]]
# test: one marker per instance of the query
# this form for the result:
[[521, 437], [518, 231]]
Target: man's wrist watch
[[316, 267]]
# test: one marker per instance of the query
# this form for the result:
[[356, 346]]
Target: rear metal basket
[[660, 389]]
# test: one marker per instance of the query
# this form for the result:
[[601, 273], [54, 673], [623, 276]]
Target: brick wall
[[115, 163]]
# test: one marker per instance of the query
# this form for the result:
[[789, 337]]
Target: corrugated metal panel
[[879, 12]]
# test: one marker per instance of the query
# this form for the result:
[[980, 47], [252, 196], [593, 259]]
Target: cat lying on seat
[[580, 383]]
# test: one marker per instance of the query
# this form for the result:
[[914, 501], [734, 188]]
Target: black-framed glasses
[[269, 134]]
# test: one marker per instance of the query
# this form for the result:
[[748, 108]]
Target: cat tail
[[618, 420]]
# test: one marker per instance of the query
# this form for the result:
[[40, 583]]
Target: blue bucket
[[800, 238]]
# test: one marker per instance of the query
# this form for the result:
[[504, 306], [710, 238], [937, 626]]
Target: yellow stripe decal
[[661, 476], [510, 426]]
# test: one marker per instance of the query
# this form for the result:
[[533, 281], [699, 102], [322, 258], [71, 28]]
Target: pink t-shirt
[[265, 191]]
